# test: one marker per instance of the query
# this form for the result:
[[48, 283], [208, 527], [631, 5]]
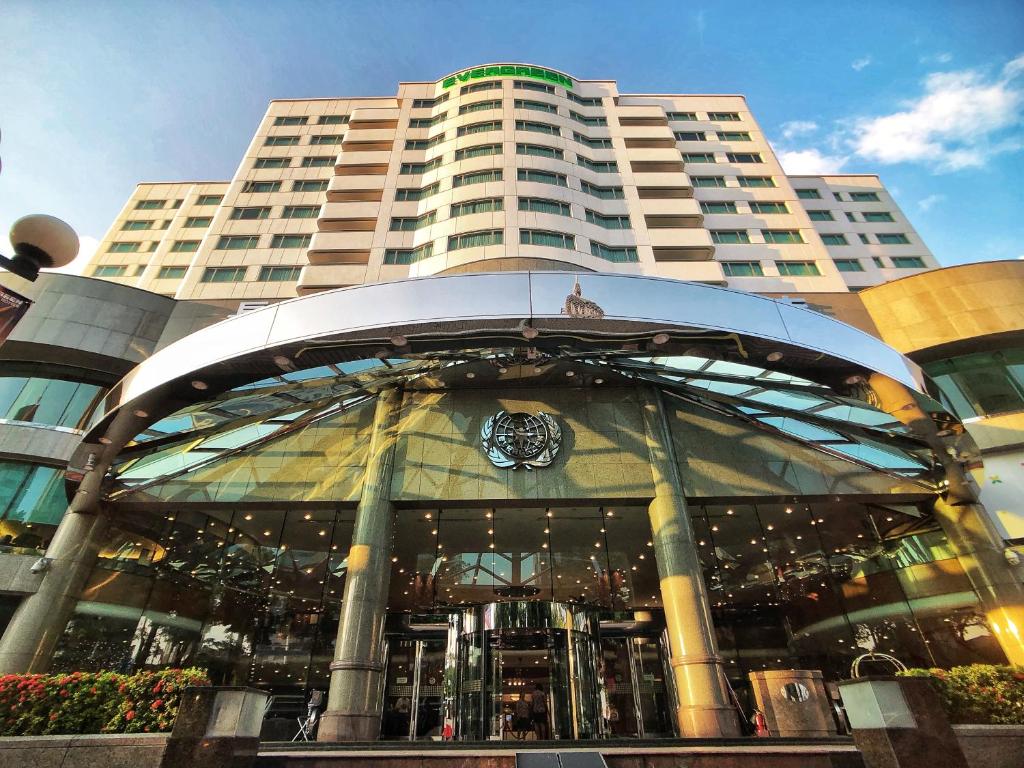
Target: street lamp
[[40, 241]]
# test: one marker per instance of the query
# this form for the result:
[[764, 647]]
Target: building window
[[718, 207], [538, 106], [768, 207], [108, 270], [185, 246], [526, 85], [291, 120], [583, 101], [723, 117], [411, 223], [475, 239], [480, 150], [133, 226], [469, 130], [908, 262], [729, 236], [529, 125], [413, 193], [300, 212], [755, 181], [592, 143], [417, 169], [608, 222], [742, 268], [326, 138], [851, 217], [150, 205], [251, 213], [537, 150], [690, 136], [698, 157], [864, 239], [605, 193], [594, 122], [744, 157], [170, 273], [708, 181], [834, 239], [279, 274], [682, 117], [547, 239], [209, 199], [981, 383], [124, 248], [864, 197], [197, 222], [849, 265], [808, 194], [290, 241], [433, 141], [272, 162], [309, 186], [261, 186], [477, 177], [542, 177], [165, 224], [781, 236], [486, 205], [878, 261], [893, 238], [480, 106], [733, 136], [332, 120], [237, 242], [317, 162], [542, 205], [477, 87], [820, 215], [177, 203], [614, 254], [884, 216], [281, 141], [428, 122], [223, 275], [408, 255], [597, 166], [798, 268]]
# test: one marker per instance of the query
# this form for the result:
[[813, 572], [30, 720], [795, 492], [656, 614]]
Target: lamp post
[[40, 241]]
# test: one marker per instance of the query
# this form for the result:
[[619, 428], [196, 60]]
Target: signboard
[[13, 307], [508, 70]]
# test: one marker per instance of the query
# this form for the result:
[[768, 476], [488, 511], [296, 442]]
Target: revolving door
[[524, 669]]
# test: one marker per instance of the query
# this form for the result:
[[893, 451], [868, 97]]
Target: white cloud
[[87, 246], [811, 162], [798, 128], [937, 58], [926, 203], [859, 64], [959, 122]]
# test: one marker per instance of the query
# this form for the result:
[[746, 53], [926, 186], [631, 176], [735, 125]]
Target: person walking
[[539, 707]]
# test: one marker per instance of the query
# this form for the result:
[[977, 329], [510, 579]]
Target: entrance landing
[[689, 753]]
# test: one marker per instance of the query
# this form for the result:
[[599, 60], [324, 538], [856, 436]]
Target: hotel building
[[509, 380]]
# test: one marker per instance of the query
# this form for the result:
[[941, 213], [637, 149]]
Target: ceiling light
[[200, 385], [141, 413], [529, 332], [661, 338], [398, 340], [774, 357]]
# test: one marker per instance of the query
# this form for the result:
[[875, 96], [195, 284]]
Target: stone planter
[[991, 746]]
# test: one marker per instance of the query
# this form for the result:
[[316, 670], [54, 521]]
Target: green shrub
[[93, 702], [983, 694]]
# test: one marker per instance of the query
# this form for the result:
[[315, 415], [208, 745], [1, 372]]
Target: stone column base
[[343, 726], [706, 722]]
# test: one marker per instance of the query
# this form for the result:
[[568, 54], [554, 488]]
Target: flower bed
[[93, 702], [981, 694]]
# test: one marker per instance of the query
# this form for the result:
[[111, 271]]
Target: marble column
[[970, 530], [705, 710], [31, 636], [355, 701]]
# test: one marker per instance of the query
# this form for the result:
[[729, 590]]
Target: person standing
[[539, 707]]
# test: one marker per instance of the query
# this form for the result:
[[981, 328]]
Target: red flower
[[129, 715], [158, 687], [64, 692], [53, 716], [157, 704], [122, 688]]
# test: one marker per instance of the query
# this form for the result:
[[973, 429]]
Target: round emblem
[[521, 439]]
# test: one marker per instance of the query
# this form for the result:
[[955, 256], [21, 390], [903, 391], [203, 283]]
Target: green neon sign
[[508, 70]]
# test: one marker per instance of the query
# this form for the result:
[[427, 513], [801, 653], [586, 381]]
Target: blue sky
[[95, 97]]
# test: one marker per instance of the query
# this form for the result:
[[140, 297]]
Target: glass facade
[[52, 402], [980, 384], [32, 502]]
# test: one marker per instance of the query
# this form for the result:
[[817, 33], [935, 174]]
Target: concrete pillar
[[970, 530], [705, 710], [39, 621], [355, 701]]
